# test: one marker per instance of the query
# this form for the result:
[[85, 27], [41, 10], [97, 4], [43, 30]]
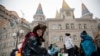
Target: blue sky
[[29, 7]]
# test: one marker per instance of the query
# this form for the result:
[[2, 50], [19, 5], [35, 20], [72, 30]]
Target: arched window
[[67, 26], [72, 26], [85, 26], [80, 26]]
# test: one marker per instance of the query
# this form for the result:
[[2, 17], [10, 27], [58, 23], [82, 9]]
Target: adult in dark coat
[[87, 45], [33, 40]]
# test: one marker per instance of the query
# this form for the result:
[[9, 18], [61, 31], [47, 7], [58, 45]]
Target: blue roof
[[39, 10], [85, 10]]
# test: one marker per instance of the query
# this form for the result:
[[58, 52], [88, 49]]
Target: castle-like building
[[13, 28], [65, 22]]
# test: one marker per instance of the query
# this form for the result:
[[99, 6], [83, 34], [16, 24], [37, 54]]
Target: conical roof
[[84, 10], [57, 14], [39, 9], [65, 5]]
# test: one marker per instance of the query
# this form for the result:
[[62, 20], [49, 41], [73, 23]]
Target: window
[[4, 54], [55, 39], [6, 13], [11, 23], [72, 26], [5, 45], [61, 38], [63, 16], [8, 44], [40, 18], [67, 26], [15, 17], [0, 37], [68, 13], [1, 16], [80, 26], [60, 26], [85, 26], [74, 37], [5, 18], [4, 28], [0, 46], [10, 34], [54, 26], [99, 26], [4, 37]]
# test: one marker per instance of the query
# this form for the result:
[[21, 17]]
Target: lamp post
[[16, 36]]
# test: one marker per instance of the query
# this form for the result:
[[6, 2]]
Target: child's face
[[39, 32]]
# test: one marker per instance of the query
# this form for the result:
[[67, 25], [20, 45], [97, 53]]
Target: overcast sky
[[27, 8]]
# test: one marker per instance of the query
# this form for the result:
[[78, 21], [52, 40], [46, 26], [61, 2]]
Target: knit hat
[[83, 34]]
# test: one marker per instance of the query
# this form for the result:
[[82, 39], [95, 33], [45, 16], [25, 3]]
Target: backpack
[[88, 47]]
